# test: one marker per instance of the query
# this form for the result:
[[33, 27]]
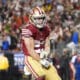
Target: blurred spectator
[[1, 40], [64, 65], [58, 37], [6, 41], [4, 2], [75, 36], [25, 18], [14, 38], [4, 65], [75, 66], [5, 45], [60, 8], [67, 35], [74, 2]]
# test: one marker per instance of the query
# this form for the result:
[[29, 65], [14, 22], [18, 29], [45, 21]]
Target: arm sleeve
[[26, 33]]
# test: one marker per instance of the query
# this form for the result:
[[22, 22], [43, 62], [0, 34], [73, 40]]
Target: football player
[[36, 46]]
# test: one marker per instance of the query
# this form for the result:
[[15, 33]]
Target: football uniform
[[39, 36]]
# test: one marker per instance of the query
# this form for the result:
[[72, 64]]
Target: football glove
[[43, 54], [45, 63]]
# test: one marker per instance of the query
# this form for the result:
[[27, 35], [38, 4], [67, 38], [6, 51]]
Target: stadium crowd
[[63, 17]]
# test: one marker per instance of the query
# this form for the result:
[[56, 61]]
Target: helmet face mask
[[38, 17]]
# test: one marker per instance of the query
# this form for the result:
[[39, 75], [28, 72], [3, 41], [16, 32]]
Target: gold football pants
[[37, 70]]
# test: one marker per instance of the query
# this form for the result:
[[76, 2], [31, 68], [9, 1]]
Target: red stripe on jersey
[[26, 32]]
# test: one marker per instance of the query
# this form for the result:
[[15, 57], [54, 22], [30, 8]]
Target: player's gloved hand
[[43, 54], [45, 63]]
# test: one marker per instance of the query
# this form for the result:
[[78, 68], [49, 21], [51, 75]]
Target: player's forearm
[[47, 45]]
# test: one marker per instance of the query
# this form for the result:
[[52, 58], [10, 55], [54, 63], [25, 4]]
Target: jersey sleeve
[[26, 32]]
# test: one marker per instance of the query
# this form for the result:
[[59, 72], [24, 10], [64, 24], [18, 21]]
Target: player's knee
[[40, 78]]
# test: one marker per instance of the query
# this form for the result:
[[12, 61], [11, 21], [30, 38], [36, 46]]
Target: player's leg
[[51, 74], [35, 68]]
